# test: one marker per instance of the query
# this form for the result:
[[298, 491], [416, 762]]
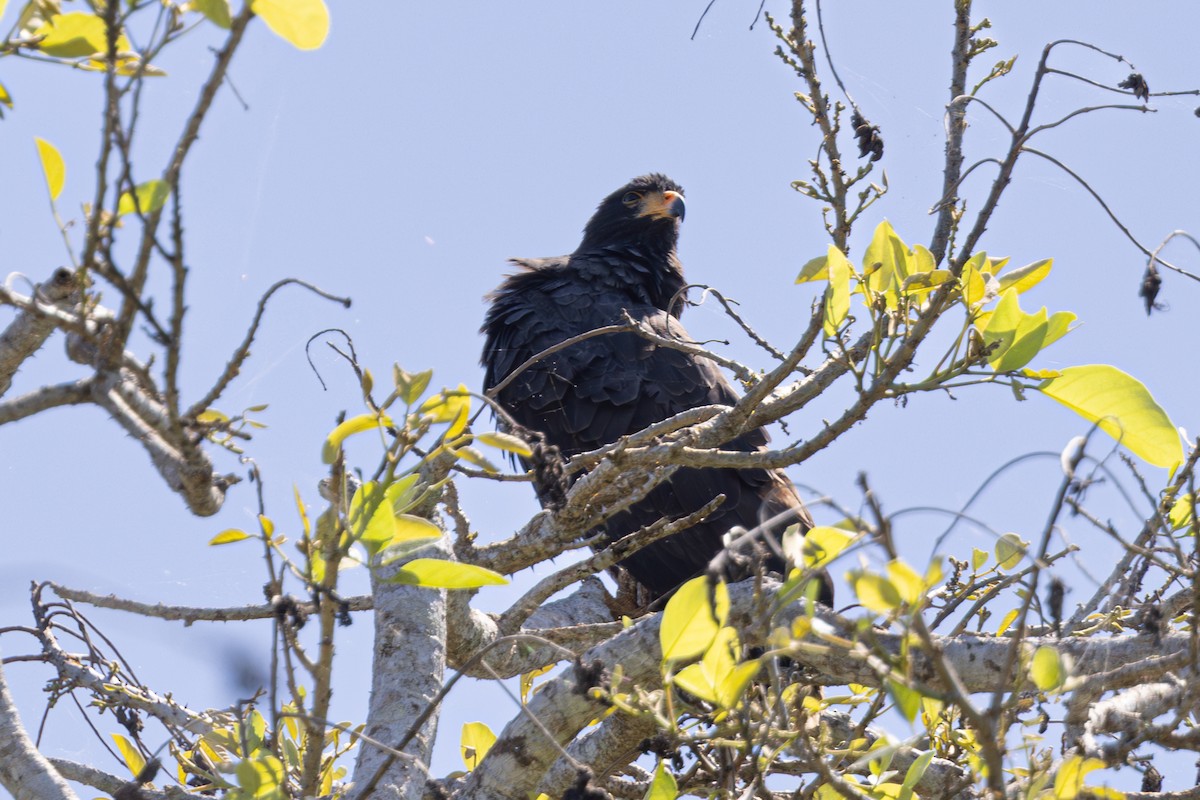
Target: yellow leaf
[[875, 592], [5, 97], [409, 528], [922, 260], [837, 296], [692, 618], [217, 11], [303, 23], [133, 759], [1047, 669], [150, 197], [978, 558], [1017, 337], [504, 441], [371, 519], [975, 286], [1010, 549], [907, 581], [1122, 407], [816, 269], [1008, 620], [229, 535], [817, 548], [404, 492], [477, 739], [527, 680], [731, 689], [663, 786], [885, 262], [445, 407], [1025, 278], [73, 35], [693, 680], [438, 574], [925, 281], [1182, 513], [53, 166], [1068, 783], [363, 422]]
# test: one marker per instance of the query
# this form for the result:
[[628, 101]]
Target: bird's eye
[[631, 198]]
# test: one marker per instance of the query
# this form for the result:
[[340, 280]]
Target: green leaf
[[504, 441], [1010, 549], [907, 699], [1025, 278], [916, 771], [476, 740], [690, 621], [371, 520], [53, 167], [363, 422], [404, 492], [302, 23], [410, 387], [663, 786], [438, 574], [837, 296], [1018, 336], [1122, 407], [375, 523], [73, 35], [1047, 669], [217, 11], [133, 759], [229, 535], [150, 197]]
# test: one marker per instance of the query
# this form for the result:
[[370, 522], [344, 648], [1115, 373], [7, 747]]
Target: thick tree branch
[[407, 667], [189, 474], [45, 398], [26, 334], [23, 770]]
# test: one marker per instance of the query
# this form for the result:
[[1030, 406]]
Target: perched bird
[[595, 391]]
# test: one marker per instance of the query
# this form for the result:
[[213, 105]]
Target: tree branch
[[26, 334], [23, 770]]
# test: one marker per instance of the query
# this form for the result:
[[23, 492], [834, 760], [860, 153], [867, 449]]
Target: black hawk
[[595, 391]]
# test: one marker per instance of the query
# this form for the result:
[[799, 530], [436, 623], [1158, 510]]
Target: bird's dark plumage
[[594, 392]]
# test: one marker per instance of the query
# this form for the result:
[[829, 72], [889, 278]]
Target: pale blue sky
[[426, 142]]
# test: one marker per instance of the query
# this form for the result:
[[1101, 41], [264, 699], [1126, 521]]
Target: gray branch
[[407, 667], [23, 770], [26, 334], [44, 398]]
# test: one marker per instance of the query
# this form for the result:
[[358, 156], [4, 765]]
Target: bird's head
[[644, 213]]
